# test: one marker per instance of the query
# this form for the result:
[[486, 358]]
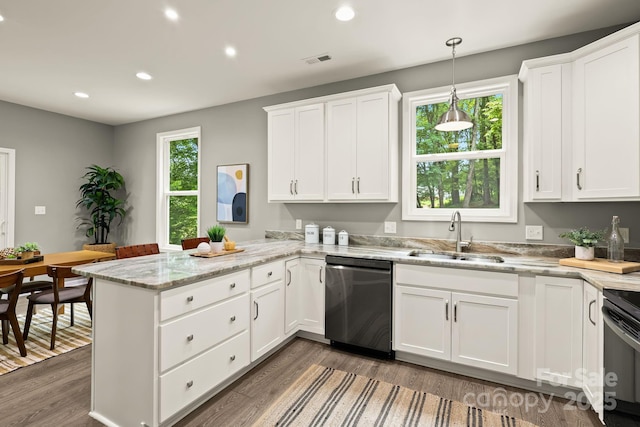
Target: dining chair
[[137, 250], [193, 242], [13, 281], [59, 295]]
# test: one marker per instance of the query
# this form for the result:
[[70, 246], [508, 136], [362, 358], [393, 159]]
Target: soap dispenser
[[615, 248]]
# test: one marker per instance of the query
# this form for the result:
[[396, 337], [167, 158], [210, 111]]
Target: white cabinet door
[[312, 295], [341, 149], [292, 297], [372, 161], [593, 347], [606, 128], [558, 330], [308, 181], [281, 142], [484, 332], [267, 318], [543, 136], [415, 308]]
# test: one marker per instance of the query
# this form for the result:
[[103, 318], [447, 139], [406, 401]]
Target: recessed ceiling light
[[143, 76], [230, 51], [81, 94], [171, 14], [1, 18], [345, 13]]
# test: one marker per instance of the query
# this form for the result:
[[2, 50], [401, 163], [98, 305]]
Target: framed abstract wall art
[[233, 193]]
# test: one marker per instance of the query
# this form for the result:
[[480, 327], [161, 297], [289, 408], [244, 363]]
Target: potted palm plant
[[97, 196], [585, 241], [216, 234]]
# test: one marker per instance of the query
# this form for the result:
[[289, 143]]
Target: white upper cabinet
[[296, 153], [356, 161], [582, 132], [606, 122]]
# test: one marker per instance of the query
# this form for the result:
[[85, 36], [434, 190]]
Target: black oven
[[621, 314]]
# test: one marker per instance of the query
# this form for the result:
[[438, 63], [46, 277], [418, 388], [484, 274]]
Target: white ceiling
[[51, 49]]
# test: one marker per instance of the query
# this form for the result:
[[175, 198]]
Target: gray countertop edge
[[175, 269]]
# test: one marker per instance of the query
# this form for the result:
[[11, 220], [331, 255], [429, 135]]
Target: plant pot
[[100, 247], [26, 255], [585, 253], [216, 247]]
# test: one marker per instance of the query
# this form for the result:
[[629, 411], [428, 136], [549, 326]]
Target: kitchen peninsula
[[172, 330]]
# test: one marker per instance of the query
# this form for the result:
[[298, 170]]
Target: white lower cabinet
[[593, 348], [558, 330], [292, 297], [267, 308], [437, 316], [312, 295]]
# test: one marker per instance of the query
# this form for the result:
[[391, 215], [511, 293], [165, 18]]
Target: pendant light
[[453, 119]]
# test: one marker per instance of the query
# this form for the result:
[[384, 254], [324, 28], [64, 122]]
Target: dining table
[[38, 268]]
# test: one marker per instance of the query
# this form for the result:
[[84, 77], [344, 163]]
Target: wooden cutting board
[[215, 254], [602, 265]]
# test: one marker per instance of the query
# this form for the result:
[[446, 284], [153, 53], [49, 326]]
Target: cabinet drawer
[[192, 334], [263, 274], [176, 302], [183, 385]]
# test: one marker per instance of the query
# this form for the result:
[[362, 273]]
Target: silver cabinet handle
[[295, 187], [537, 180], [190, 298], [232, 285], [446, 310], [590, 305], [578, 178], [320, 274], [358, 185], [291, 187], [353, 181], [455, 311], [233, 357], [190, 384], [257, 309], [288, 277], [233, 318], [190, 337]]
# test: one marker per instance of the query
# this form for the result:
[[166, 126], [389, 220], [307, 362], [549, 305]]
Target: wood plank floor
[[56, 392]]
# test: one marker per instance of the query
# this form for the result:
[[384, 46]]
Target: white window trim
[[162, 183], [508, 211], [9, 226]]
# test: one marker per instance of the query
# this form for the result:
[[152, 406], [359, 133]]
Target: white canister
[[328, 236], [312, 233], [343, 238]]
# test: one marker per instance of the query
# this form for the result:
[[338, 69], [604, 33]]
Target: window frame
[[162, 183], [508, 154]]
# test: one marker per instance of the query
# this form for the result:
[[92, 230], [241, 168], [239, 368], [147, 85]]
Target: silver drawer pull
[[269, 274], [233, 285], [233, 318], [190, 384], [233, 358], [190, 298], [190, 337]]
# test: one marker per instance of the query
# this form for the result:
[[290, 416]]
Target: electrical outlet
[[298, 224], [390, 227], [41, 210], [533, 232], [625, 234]]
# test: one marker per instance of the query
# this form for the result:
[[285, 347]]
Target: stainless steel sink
[[455, 256]]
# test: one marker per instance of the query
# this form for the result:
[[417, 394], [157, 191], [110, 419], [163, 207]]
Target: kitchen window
[[474, 171], [178, 200]]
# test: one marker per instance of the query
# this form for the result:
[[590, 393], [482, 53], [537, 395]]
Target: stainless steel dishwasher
[[358, 304]]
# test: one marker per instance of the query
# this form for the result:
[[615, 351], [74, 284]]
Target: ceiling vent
[[317, 58]]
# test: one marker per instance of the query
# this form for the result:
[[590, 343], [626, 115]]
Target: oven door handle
[[620, 332]]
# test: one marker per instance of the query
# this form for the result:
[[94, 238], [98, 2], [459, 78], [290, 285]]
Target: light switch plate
[[298, 224], [390, 227], [533, 232], [41, 210]]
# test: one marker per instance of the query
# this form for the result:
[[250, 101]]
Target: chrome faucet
[[455, 217]]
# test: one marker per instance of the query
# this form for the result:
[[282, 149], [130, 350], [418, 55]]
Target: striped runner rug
[[329, 397], [67, 338]]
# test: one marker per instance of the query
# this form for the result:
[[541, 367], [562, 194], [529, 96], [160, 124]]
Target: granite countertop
[[174, 269]]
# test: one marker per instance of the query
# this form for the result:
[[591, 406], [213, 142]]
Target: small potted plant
[[585, 241], [216, 234], [27, 250]]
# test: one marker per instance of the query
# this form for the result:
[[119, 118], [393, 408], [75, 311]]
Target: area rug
[[329, 397], [67, 338]]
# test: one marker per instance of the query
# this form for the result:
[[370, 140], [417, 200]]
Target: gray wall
[[52, 151], [237, 133]]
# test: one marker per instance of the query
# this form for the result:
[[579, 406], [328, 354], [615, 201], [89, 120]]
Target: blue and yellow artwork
[[232, 193]]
